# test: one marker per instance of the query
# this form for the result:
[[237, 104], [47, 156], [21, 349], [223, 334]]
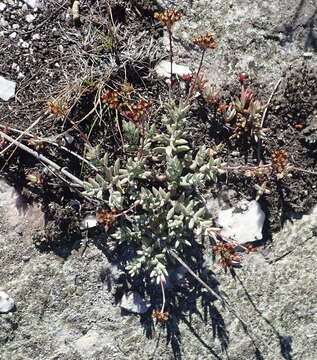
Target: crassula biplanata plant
[[166, 211]]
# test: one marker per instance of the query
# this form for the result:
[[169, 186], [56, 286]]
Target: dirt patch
[[73, 63]]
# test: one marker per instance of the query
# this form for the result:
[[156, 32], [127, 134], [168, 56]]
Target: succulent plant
[[170, 214]]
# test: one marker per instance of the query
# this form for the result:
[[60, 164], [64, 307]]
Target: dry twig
[[42, 158]]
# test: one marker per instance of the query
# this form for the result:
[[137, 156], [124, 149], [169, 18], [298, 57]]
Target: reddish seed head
[[243, 77]]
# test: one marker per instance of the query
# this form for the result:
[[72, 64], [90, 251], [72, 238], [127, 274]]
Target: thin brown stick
[[269, 101], [207, 287], [171, 55], [41, 157], [303, 170], [191, 89], [171, 252], [264, 117], [243, 168]]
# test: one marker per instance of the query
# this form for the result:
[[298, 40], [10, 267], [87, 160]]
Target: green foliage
[[172, 214]]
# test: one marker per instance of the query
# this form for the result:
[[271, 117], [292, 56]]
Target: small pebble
[[32, 3], [25, 45], [6, 303], [36, 37], [13, 35], [88, 222], [2, 6], [7, 89], [29, 18]]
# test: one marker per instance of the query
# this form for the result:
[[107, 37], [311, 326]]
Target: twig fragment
[[43, 158]]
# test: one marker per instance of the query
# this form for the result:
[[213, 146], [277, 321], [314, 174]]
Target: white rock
[[7, 89], [88, 222], [32, 3], [164, 69], [15, 66], [133, 302], [70, 139], [243, 222], [29, 18], [13, 35], [3, 22], [2, 6], [24, 44], [6, 303], [36, 36]]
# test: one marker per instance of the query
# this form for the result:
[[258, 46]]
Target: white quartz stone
[[88, 222], [6, 303], [7, 89], [242, 223], [29, 18], [164, 69]]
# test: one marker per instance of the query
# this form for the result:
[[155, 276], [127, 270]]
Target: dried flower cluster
[[227, 253], [160, 317], [36, 143], [206, 42], [56, 108], [279, 160], [34, 179], [111, 98], [168, 18], [229, 256], [136, 111], [115, 100], [106, 218]]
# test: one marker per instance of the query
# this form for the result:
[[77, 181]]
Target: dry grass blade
[[20, 136], [212, 292]]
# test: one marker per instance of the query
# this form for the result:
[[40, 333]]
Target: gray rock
[[13, 35], [90, 221], [133, 302], [65, 312], [24, 44], [163, 69], [7, 89], [91, 343], [259, 38], [3, 22]]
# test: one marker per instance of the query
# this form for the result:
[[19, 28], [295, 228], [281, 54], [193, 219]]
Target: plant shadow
[[187, 303]]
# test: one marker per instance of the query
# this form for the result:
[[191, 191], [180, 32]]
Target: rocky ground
[[68, 294]]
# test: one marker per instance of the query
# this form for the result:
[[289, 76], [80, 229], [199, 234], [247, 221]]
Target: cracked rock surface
[[64, 310]]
